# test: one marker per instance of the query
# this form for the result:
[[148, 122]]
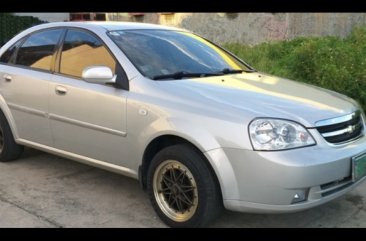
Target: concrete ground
[[42, 190]]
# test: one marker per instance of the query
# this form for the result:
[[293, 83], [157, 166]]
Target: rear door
[[25, 72]]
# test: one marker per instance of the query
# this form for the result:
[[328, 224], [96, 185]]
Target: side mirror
[[98, 75]]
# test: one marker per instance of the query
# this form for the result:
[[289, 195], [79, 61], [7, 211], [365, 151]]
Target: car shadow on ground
[[30, 152]]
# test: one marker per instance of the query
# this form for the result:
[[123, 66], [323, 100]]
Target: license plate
[[358, 167]]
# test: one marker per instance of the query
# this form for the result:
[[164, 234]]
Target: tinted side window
[[9, 54], [81, 50], [37, 50]]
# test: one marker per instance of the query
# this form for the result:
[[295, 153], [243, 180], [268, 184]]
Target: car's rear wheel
[[9, 149], [182, 188]]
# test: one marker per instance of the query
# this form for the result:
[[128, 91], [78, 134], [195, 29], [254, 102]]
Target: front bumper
[[266, 182]]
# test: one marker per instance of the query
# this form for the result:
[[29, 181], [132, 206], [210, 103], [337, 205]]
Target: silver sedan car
[[198, 127]]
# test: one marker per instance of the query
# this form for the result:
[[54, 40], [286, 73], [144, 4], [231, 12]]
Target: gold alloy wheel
[[175, 190]]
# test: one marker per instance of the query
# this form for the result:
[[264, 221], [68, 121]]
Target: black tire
[[209, 202], [9, 149]]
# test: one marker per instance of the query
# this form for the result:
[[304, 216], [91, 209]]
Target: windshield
[[159, 53]]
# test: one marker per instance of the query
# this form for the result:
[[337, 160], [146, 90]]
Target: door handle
[[60, 90], [7, 78]]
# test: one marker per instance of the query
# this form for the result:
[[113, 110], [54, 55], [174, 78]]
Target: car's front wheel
[[182, 188]]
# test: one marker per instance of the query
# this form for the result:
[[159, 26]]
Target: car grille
[[333, 187], [341, 129]]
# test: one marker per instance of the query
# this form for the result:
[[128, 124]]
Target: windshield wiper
[[235, 71], [231, 71], [183, 74]]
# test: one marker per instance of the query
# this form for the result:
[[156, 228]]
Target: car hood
[[254, 95]]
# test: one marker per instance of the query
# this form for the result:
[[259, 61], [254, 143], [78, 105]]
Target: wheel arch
[[163, 141], [4, 108]]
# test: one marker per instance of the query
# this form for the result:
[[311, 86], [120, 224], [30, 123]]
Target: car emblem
[[350, 129]]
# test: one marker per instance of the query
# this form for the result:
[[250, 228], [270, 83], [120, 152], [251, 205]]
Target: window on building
[[80, 17], [137, 17], [100, 17]]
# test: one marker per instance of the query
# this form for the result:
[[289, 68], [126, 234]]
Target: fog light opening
[[300, 196]]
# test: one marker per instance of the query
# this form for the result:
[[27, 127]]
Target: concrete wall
[[250, 28], [254, 28], [49, 17]]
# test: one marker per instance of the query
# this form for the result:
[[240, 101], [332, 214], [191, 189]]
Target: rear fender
[[9, 117]]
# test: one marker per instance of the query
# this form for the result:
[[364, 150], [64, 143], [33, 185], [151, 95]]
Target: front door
[[87, 119]]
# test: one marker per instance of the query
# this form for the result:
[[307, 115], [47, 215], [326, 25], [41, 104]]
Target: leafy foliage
[[10, 25], [329, 62]]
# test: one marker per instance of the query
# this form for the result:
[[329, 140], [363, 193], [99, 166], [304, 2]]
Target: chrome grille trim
[[338, 120], [341, 129]]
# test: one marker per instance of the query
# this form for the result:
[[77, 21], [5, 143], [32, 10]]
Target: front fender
[[200, 138]]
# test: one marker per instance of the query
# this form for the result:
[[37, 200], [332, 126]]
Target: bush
[[329, 62], [10, 25]]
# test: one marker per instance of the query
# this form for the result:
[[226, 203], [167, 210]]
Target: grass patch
[[329, 62]]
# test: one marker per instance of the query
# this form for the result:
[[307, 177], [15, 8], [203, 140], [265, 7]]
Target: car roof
[[109, 25]]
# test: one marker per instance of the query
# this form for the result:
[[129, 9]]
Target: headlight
[[276, 134]]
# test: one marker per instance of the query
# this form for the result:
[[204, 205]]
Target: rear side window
[[8, 55], [38, 49], [81, 50]]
